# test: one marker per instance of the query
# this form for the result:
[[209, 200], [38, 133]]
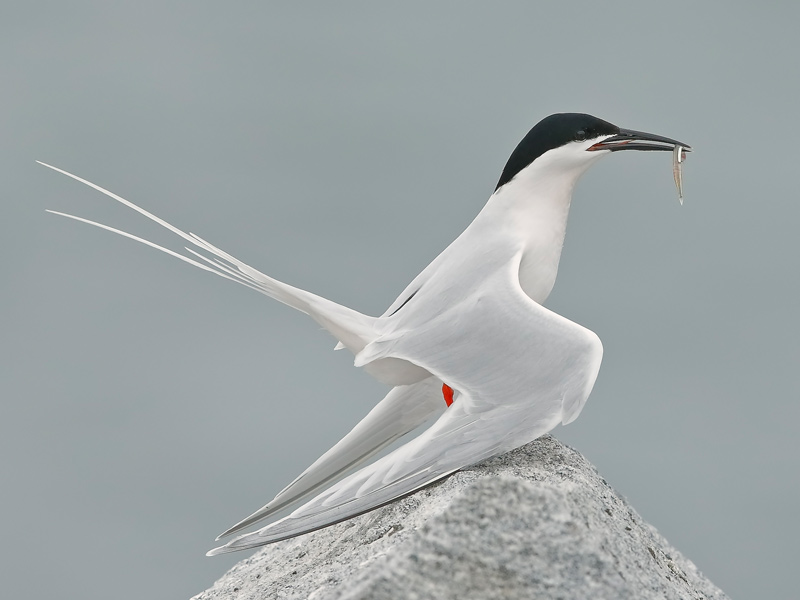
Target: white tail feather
[[353, 329]]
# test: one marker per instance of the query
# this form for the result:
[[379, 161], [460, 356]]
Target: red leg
[[447, 392]]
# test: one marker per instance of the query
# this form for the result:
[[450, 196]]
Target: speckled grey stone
[[538, 522]]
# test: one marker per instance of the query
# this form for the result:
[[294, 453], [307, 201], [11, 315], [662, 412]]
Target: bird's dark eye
[[580, 135]]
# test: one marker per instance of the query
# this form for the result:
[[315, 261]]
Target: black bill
[[628, 139]]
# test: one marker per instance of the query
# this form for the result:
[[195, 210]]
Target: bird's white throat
[[534, 207]]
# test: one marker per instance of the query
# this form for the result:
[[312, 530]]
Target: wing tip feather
[[217, 551]]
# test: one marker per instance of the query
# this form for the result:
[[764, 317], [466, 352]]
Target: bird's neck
[[533, 209]]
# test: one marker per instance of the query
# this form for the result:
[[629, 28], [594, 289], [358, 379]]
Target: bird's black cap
[[552, 132]]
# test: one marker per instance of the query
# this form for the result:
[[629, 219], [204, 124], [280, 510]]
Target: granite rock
[[538, 522]]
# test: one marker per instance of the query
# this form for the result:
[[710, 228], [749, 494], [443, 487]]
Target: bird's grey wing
[[403, 409], [495, 343], [519, 369]]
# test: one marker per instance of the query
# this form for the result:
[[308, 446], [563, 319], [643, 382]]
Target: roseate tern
[[467, 338]]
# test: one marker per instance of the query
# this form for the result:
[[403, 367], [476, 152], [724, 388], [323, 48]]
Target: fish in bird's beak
[[628, 139]]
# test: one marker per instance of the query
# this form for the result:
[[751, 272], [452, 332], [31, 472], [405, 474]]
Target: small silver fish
[[678, 156]]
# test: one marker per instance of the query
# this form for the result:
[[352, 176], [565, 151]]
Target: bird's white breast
[[533, 208], [535, 221]]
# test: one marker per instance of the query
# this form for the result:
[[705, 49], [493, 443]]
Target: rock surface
[[538, 522]]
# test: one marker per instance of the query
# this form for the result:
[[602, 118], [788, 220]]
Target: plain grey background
[[147, 406]]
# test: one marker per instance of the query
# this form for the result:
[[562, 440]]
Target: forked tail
[[353, 329]]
